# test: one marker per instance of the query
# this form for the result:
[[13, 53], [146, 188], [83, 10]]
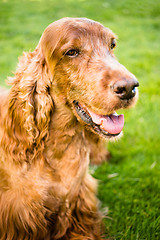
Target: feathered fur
[[46, 191]]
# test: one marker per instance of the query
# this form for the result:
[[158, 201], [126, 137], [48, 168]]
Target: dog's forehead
[[76, 28], [80, 27], [71, 30]]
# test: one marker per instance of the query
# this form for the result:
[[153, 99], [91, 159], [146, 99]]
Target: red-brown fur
[[46, 191]]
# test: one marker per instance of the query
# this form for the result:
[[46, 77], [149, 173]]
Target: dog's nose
[[125, 89]]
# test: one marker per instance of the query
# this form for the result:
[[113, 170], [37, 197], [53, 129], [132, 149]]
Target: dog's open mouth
[[105, 125]]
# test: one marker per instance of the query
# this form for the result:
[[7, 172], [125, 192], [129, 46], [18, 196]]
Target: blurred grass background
[[129, 184]]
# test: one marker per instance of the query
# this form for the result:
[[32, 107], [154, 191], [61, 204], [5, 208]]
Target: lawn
[[129, 186]]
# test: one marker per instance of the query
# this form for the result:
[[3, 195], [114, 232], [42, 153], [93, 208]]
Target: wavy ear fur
[[29, 107]]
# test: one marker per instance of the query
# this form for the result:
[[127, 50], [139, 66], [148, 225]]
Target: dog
[[54, 121]]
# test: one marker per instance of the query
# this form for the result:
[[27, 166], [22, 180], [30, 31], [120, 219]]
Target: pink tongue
[[112, 124]]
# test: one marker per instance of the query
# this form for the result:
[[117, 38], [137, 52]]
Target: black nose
[[125, 89]]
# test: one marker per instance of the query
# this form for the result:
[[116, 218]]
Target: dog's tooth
[[114, 114]]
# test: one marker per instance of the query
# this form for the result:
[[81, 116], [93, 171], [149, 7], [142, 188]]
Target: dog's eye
[[72, 53], [113, 43]]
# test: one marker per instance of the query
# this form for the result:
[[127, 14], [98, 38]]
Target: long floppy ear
[[29, 107]]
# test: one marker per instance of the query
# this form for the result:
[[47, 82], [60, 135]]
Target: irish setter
[[53, 122]]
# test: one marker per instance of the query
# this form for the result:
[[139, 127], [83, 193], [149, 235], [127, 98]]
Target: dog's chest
[[50, 185], [44, 191]]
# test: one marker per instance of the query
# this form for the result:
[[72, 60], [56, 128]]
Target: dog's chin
[[107, 126]]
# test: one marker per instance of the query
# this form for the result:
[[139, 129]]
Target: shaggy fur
[[46, 191]]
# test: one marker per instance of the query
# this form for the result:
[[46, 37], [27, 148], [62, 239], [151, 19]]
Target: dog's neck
[[65, 149], [64, 128]]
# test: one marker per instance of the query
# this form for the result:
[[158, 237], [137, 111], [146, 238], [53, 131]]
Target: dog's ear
[[29, 106], [54, 36]]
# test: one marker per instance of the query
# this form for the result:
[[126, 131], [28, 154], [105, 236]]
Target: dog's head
[[74, 59], [79, 54]]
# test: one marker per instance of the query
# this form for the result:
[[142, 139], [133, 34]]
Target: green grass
[[130, 183]]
